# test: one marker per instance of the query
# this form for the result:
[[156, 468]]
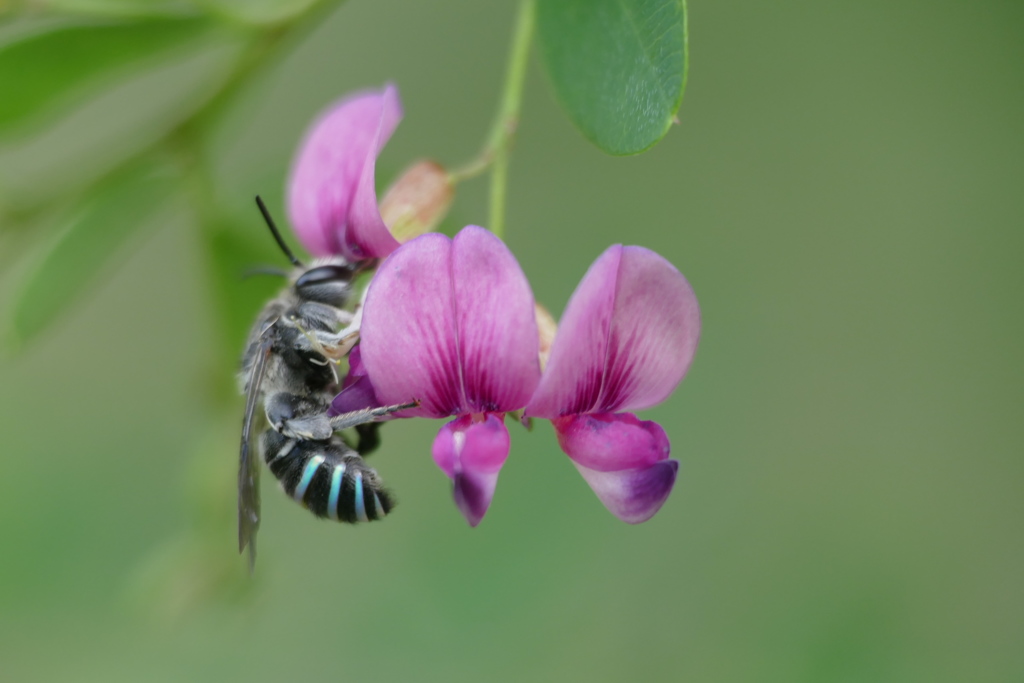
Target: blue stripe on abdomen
[[332, 502], [360, 503], [307, 476]]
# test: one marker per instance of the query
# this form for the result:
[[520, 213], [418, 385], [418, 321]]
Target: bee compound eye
[[324, 274]]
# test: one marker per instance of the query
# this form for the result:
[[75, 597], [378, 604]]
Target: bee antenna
[[277, 235]]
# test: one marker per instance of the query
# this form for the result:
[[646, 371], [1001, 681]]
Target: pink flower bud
[[546, 329], [417, 201]]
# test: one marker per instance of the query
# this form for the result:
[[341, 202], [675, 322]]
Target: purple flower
[[450, 323], [357, 391], [625, 342], [332, 201]]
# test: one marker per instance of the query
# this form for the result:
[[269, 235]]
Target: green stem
[[499, 142]]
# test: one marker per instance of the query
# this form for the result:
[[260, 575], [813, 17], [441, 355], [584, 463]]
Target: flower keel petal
[[609, 443], [472, 453], [634, 495]]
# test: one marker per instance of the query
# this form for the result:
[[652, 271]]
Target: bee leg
[[327, 344], [337, 345], [297, 418], [359, 417], [309, 428]]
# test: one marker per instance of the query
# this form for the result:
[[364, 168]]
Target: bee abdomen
[[328, 479]]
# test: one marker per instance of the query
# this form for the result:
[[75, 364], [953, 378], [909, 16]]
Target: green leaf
[[234, 254], [260, 12], [617, 66], [116, 208], [125, 8], [238, 249], [41, 71]]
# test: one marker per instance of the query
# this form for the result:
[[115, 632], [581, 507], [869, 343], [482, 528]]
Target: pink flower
[[450, 322], [332, 201], [625, 342], [357, 392]]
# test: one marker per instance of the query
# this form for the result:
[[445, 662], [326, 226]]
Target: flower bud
[[417, 201]]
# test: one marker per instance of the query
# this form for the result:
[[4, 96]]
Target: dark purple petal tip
[[634, 496], [472, 494]]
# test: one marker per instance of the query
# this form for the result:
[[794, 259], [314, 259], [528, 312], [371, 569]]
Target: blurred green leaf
[[125, 8], [618, 66], [201, 565], [239, 290], [115, 209], [258, 12], [41, 70]]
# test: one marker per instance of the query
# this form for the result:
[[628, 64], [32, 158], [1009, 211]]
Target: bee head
[[327, 284]]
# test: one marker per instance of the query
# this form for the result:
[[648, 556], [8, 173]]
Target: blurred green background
[[845, 193]]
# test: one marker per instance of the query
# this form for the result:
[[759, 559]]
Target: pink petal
[[471, 453], [356, 368], [498, 336], [626, 338], [408, 334], [608, 443], [358, 395], [368, 236], [634, 495], [357, 391], [451, 323], [337, 153]]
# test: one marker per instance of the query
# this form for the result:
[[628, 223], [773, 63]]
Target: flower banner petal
[[654, 332], [330, 163], [472, 453], [634, 496], [451, 323], [498, 339], [574, 373], [408, 335], [607, 443], [368, 236], [626, 338]]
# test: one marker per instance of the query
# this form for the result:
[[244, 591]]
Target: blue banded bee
[[289, 377]]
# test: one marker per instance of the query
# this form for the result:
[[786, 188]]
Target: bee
[[289, 377]]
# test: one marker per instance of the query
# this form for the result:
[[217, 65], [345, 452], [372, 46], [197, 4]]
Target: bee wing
[[248, 466]]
